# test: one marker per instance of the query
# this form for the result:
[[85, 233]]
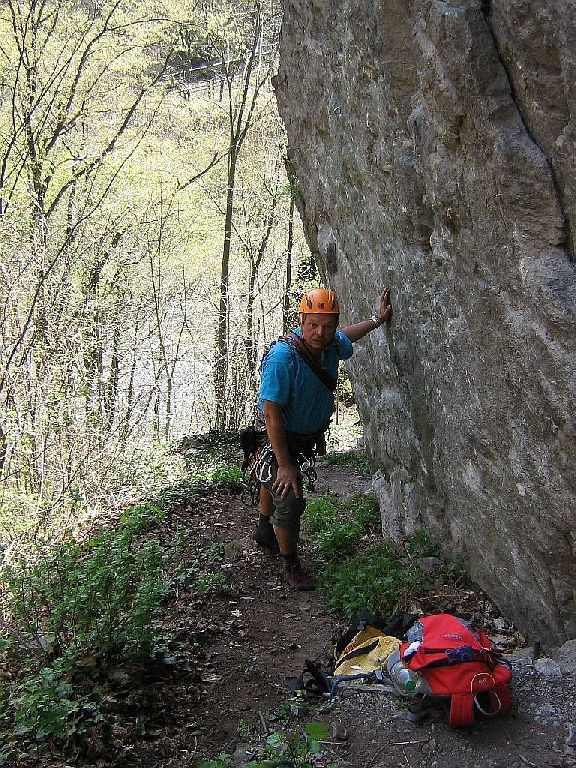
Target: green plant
[[7, 756], [336, 528], [98, 600], [356, 460], [227, 475], [337, 540], [212, 554], [199, 575], [245, 730], [211, 583], [209, 450], [282, 748], [292, 749], [314, 734], [376, 579], [5, 643], [179, 494], [222, 761], [456, 569], [420, 544], [143, 517], [44, 707], [321, 512], [383, 577], [103, 599], [364, 510]]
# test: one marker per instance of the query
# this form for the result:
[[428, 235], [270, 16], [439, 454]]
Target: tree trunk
[[221, 363]]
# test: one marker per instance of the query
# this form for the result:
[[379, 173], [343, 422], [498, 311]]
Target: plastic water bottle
[[406, 681]]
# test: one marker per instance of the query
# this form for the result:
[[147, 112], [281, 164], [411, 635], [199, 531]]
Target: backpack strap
[[295, 342], [502, 690], [461, 710], [462, 704]]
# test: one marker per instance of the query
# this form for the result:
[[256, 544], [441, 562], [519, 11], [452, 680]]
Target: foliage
[[183, 492], [294, 749], [420, 544], [212, 448], [113, 185], [321, 512], [354, 459], [104, 599], [338, 540], [377, 579], [336, 529], [211, 583], [143, 517], [222, 761], [241, 43], [364, 509], [212, 554], [357, 568], [231, 476], [46, 707], [77, 606]]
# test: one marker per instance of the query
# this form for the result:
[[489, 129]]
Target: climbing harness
[[262, 464]]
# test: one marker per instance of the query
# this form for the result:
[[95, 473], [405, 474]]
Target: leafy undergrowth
[[76, 609], [293, 748], [355, 459], [358, 569]]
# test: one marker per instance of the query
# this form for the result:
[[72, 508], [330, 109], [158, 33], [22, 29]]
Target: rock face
[[434, 147]]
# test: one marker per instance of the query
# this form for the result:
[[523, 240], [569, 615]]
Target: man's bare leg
[[287, 539], [264, 533], [265, 505]]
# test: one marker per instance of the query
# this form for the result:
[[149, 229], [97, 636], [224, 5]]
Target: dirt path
[[227, 686]]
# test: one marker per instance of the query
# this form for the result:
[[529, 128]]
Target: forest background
[[148, 244]]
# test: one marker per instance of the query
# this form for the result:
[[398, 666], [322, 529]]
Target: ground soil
[[223, 686]]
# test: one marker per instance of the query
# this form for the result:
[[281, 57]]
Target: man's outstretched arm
[[356, 331]]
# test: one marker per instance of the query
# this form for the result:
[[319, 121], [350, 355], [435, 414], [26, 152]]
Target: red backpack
[[461, 662]]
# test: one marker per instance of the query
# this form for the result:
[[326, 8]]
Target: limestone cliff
[[434, 145]]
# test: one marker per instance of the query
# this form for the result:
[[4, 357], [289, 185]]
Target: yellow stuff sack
[[367, 652]]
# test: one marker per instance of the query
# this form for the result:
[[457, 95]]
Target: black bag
[[249, 444]]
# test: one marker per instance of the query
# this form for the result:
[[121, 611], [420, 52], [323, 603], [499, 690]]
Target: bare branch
[[215, 160]]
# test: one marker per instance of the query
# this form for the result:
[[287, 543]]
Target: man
[[296, 403]]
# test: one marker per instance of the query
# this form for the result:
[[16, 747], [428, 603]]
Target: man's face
[[318, 329]]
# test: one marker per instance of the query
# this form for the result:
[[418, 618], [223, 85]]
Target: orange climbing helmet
[[320, 301]]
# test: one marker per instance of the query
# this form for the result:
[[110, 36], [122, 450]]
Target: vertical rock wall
[[434, 145]]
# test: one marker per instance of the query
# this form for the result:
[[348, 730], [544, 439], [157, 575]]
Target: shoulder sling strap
[[296, 343]]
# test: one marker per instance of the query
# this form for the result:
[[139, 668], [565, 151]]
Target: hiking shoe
[[265, 537], [298, 578]]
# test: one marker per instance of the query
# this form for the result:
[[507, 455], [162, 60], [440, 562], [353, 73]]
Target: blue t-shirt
[[288, 380]]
